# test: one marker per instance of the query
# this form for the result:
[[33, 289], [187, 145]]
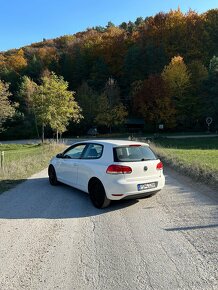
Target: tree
[[64, 41], [55, 105], [47, 55], [134, 68], [7, 110], [77, 67], [99, 74], [87, 99], [34, 68], [113, 48], [110, 24], [214, 64], [112, 92], [139, 21], [210, 92], [177, 77], [25, 95], [110, 116], [196, 42], [99, 28], [2, 62], [123, 25], [198, 75], [51, 102], [153, 102], [211, 26], [111, 110], [17, 60], [131, 26], [27, 89]]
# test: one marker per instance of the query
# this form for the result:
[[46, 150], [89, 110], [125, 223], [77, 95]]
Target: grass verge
[[196, 157], [21, 161]]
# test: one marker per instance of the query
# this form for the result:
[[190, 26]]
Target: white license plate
[[145, 186]]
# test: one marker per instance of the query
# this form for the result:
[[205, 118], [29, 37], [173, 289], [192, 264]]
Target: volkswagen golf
[[109, 170]]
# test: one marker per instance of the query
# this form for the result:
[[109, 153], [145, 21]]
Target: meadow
[[196, 157], [21, 161]]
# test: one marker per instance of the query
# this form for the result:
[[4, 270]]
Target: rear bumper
[[127, 190]]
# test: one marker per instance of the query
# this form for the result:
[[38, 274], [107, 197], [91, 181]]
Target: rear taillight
[[118, 169], [159, 166]]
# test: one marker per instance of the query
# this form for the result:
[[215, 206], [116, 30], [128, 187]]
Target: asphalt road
[[53, 238]]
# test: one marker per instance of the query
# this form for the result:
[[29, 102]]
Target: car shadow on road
[[7, 184], [36, 198], [188, 228]]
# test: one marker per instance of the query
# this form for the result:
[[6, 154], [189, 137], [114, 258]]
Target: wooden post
[[2, 159], [43, 133], [57, 136]]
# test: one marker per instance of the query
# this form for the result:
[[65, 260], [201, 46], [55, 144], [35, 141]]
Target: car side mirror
[[59, 155]]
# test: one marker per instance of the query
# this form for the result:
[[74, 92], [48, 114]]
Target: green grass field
[[197, 157], [21, 161]]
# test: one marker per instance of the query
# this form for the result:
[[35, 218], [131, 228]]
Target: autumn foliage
[[164, 68], [153, 101]]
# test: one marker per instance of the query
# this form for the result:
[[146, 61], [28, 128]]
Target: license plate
[[145, 186]]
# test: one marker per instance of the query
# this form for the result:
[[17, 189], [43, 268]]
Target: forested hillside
[[163, 69]]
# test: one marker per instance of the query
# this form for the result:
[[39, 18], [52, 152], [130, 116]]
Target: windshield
[[133, 153]]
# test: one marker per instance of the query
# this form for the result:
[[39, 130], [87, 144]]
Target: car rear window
[[133, 153]]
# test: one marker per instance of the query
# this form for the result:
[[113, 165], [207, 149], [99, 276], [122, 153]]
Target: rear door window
[[133, 153]]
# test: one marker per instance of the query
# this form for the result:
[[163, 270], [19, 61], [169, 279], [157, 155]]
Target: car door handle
[[75, 164]]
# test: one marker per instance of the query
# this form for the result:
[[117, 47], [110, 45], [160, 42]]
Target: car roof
[[114, 143]]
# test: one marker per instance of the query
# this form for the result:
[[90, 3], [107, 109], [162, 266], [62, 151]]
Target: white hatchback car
[[109, 170]]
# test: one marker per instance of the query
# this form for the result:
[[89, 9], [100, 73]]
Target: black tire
[[52, 175], [97, 195]]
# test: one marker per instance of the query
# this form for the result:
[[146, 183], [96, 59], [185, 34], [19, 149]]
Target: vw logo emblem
[[145, 168]]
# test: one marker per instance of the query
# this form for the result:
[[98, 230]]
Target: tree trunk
[[57, 136], [36, 126], [43, 133]]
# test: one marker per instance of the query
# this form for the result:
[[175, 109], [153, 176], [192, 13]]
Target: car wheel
[[52, 175], [98, 196]]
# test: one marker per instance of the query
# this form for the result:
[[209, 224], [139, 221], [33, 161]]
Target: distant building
[[135, 124]]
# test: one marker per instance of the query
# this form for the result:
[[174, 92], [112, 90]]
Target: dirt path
[[53, 238]]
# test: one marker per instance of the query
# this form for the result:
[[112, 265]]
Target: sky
[[23, 22]]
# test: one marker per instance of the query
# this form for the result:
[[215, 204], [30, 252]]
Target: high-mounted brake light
[[159, 166], [135, 145], [118, 169]]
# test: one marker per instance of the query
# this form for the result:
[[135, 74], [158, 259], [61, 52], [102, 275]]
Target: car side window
[[75, 152], [94, 151]]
